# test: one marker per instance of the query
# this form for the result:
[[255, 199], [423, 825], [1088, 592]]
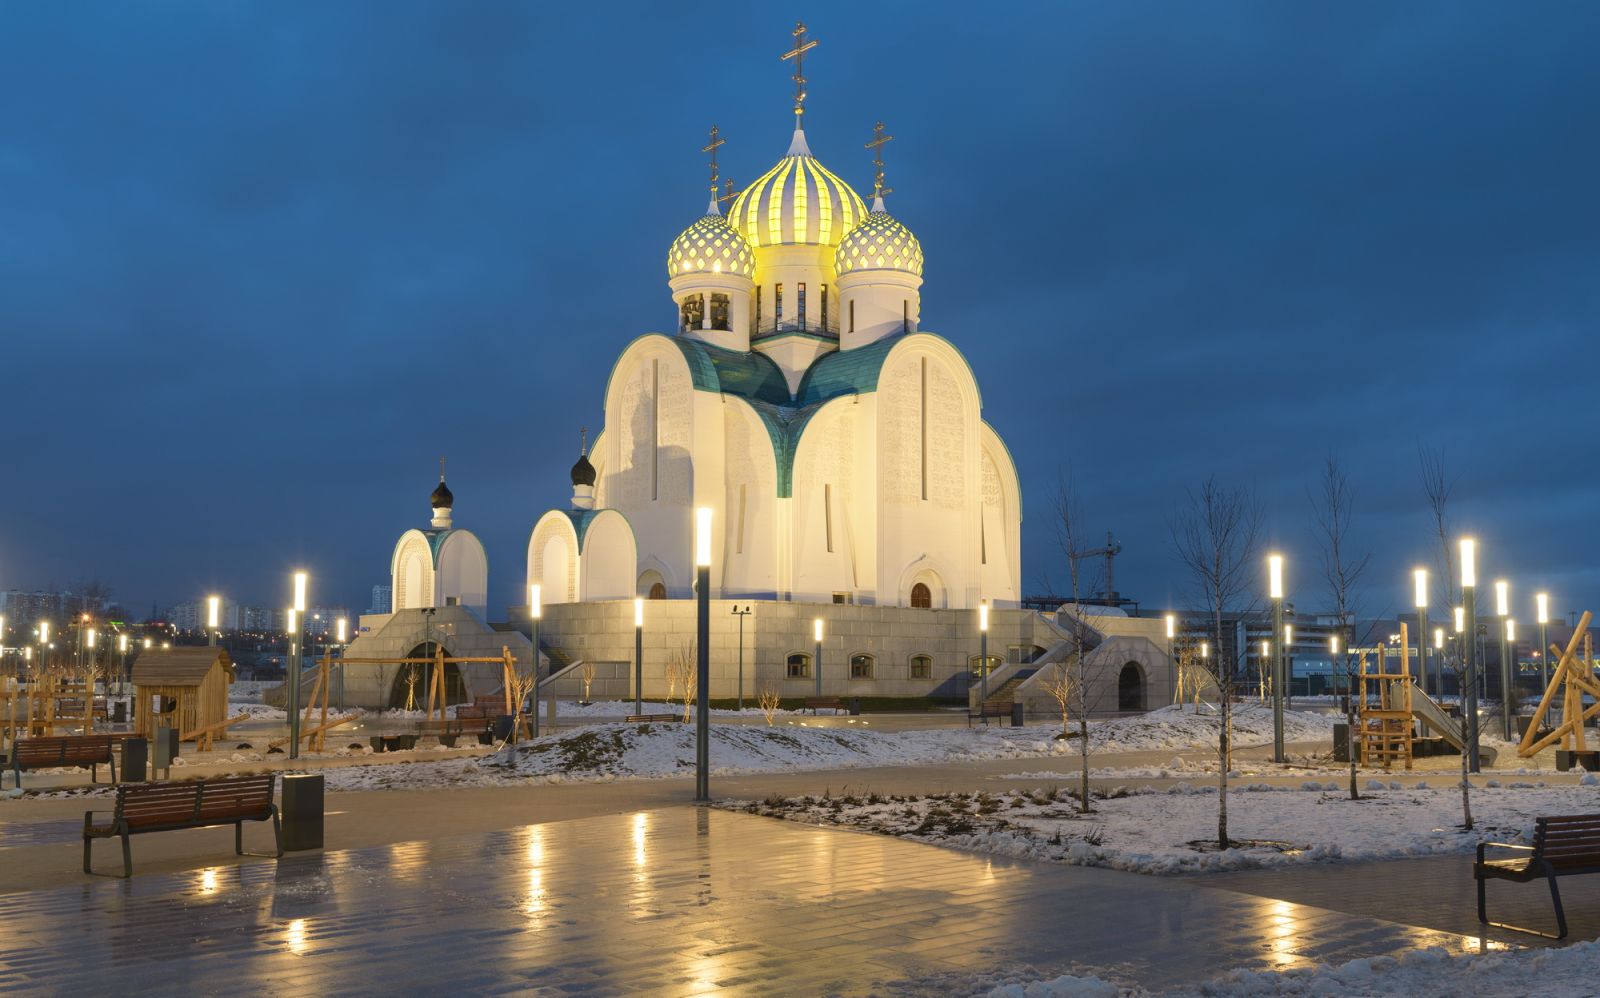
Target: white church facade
[[842, 449]]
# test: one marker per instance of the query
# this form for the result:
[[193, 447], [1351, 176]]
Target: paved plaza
[[674, 900]]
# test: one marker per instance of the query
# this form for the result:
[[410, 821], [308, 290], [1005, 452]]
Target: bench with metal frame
[[1563, 846], [988, 710], [815, 704], [652, 718], [53, 751], [165, 807]]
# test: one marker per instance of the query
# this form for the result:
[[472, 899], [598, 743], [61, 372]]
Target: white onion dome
[[799, 201], [880, 242], [711, 246]]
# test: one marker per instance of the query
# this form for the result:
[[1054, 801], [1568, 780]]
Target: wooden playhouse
[[183, 688]]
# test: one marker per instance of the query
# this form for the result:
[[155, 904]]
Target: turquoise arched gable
[[582, 518]]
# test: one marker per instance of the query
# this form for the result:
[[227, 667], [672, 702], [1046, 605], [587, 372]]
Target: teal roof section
[[846, 372], [581, 518], [436, 541], [751, 375], [784, 427]]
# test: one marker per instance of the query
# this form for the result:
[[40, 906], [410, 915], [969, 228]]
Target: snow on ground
[[1173, 831], [1565, 972], [622, 708]]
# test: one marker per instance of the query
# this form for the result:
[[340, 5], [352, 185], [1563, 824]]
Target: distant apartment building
[[25, 608], [382, 600]]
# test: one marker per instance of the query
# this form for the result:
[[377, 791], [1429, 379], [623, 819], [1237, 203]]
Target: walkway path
[[672, 901]]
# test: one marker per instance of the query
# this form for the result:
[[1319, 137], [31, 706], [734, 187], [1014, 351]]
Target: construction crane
[[1109, 553]]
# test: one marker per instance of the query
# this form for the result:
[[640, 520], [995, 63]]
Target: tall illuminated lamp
[[1469, 627], [296, 660], [1419, 600], [213, 619], [535, 613], [702, 707], [1172, 668], [983, 654], [1541, 602], [1275, 594], [1508, 679], [638, 655]]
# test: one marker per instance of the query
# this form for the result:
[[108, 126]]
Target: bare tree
[[1071, 687], [1062, 685], [1437, 487], [1217, 532], [521, 682], [768, 700], [681, 669], [590, 670], [1343, 566]]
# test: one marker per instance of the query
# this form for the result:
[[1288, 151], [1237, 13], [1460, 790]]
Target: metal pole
[[1277, 681], [535, 680], [983, 667], [1544, 658], [741, 656], [1508, 699], [1469, 695], [294, 686], [816, 671], [702, 705], [1422, 651], [638, 668]]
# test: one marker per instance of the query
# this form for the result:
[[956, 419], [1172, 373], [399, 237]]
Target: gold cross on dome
[[711, 147], [583, 440], [876, 145], [728, 193], [441, 469], [802, 45]]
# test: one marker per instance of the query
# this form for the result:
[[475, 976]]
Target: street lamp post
[[1508, 679], [638, 655], [741, 614], [342, 636], [535, 612], [1419, 599], [1469, 600], [983, 653], [702, 705], [296, 660], [1172, 668], [1542, 604], [1275, 594], [213, 619], [816, 659]]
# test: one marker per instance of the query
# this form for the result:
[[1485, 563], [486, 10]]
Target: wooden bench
[[62, 750], [163, 807], [988, 710], [652, 718], [815, 704], [1563, 846], [485, 707]]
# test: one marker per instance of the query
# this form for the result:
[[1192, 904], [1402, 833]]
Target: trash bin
[[502, 727], [1016, 715], [855, 706], [119, 712], [135, 760], [1341, 742], [1567, 759], [164, 750], [301, 812]]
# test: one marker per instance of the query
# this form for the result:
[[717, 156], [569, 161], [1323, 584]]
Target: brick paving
[[673, 901]]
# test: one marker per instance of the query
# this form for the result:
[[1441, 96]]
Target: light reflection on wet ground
[[672, 901]]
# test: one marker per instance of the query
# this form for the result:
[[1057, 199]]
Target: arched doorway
[[1130, 687], [412, 679], [658, 590], [922, 596]]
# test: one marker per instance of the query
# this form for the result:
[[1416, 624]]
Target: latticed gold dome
[[797, 201], [710, 246], [880, 242]]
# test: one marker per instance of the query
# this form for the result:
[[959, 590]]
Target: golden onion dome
[[711, 246], [799, 201], [880, 242]]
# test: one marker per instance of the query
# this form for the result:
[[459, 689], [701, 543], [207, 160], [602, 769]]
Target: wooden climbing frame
[[1385, 730]]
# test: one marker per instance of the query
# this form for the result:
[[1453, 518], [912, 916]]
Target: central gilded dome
[[799, 201]]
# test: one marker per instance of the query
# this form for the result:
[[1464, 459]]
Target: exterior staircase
[[1006, 693]]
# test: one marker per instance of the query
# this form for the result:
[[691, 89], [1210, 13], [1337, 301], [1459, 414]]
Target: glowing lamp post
[[983, 653], [702, 700], [535, 612], [44, 642], [1469, 601], [1172, 668], [296, 659], [1541, 603], [741, 613], [341, 634], [816, 658], [1419, 599], [213, 619], [122, 666], [1280, 660], [638, 655], [1508, 676]]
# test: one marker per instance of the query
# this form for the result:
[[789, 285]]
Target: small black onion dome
[[583, 472], [442, 499]]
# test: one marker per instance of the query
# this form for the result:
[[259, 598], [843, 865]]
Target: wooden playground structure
[[1387, 719], [1573, 677], [314, 721]]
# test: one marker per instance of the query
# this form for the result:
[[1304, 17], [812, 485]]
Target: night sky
[[262, 264]]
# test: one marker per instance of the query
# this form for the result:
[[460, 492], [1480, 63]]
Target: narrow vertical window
[[738, 540], [905, 315], [800, 303], [655, 429], [924, 407], [824, 308], [827, 515], [777, 305], [758, 308], [852, 315], [983, 541]]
